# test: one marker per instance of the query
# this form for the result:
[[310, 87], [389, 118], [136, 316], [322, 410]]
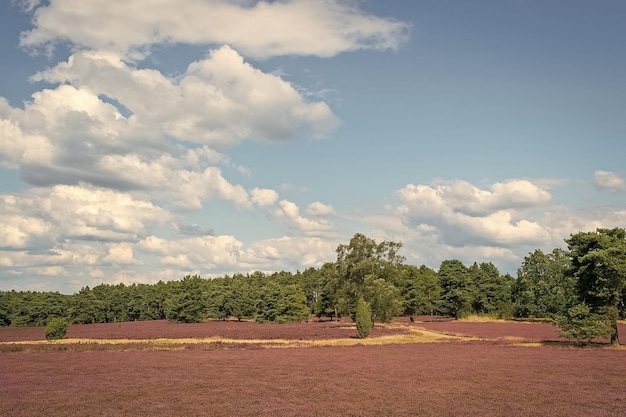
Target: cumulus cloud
[[167, 178], [609, 181], [207, 252], [219, 100], [464, 197], [120, 254], [258, 28], [289, 213], [501, 224], [289, 253], [46, 216], [464, 213], [264, 197], [72, 135], [320, 209]]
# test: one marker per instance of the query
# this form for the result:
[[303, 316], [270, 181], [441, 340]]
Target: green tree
[[456, 288], [56, 328], [188, 303], [385, 301], [363, 319], [420, 290], [492, 291], [219, 297], [85, 308], [5, 315], [330, 299], [361, 263], [242, 297], [34, 308], [281, 304], [543, 287], [598, 263], [579, 323]]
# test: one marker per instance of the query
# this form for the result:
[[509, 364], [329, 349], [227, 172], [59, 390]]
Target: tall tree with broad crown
[[599, 267], [360, 264]]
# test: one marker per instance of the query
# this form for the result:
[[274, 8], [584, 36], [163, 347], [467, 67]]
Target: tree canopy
[[598, 264]]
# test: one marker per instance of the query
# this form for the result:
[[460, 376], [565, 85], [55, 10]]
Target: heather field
[[317, 369]]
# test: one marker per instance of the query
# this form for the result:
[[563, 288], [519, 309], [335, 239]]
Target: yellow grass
[[413, 336], [475, 318]]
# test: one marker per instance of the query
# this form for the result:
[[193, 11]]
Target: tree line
[[582, 289]]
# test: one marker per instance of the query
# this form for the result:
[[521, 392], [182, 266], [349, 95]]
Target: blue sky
[[144, 142]]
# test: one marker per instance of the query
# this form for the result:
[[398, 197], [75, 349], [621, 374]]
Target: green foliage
[[5, 300], [85, 308], [456, 288], [491, 291], [359, 265], [282, 304], [187, 304], [219, 299], [243, 298], [598, 263], [364, 320], [543, 287], [581, 324], [383, 298], [420, 290], [56, 328], [33, 308]]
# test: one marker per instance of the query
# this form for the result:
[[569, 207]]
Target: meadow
[[229, 368]]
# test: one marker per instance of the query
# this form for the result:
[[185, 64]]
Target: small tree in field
[[363, 318], [56, 328]]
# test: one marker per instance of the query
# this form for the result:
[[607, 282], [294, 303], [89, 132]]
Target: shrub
[[56, 328], [581, 324], [363, 319]]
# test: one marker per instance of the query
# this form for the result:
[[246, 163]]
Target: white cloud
[[290, 253], [458, 220], [289, 213], [320, 209], [62, 212], [464, 197], [256, 28], [465, 214], [609, 181], [219, 100], [120, 254], [205, 252], [263, 196], [18, 148], [21, 232], [50, 271], [72, 135], [165, 178]]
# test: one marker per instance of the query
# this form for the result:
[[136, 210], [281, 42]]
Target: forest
[[581, 289]]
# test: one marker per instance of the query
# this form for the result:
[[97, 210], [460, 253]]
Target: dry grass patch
[[475, 318], [411, 335]]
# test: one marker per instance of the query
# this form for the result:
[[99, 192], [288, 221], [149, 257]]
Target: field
[[309, 369]]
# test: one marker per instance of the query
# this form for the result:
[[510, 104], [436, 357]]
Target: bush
[[581, 324], [363, 319], [56, 328]]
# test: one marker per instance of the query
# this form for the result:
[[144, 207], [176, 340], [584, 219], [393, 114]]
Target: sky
[[146, 140]]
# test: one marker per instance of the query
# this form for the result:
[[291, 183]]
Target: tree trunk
[[615, 335]]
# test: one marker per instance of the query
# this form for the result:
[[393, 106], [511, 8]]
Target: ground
[[240, 369]]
